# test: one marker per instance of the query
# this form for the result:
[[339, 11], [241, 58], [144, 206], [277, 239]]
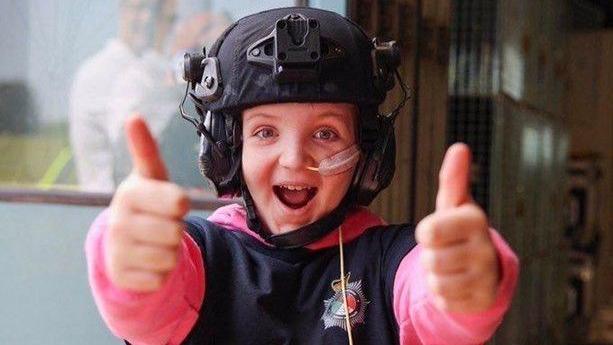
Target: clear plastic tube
[[339, 162]]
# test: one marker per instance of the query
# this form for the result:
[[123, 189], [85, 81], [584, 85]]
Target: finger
[[154, 230], [471, 304], [153, 258], [454, 177], [451, 286], [141, 280], [453, 227], [151, 196], [449, 260], [465, 305], [144, 150]]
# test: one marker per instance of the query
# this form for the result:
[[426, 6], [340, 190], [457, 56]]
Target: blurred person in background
[[143, 27], [137, 73], [152, 87]]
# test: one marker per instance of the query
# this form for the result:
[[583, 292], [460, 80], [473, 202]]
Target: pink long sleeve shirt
[[168, 315]]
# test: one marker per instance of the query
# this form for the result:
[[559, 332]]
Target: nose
[[295, 156]]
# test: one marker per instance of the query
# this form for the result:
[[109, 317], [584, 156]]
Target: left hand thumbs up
[[454, 178], [458, 255]]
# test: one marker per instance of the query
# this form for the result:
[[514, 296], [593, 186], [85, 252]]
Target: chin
[[289, 227]]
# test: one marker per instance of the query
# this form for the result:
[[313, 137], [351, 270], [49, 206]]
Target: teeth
[[292, 187]]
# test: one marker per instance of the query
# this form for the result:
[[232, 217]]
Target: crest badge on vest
[[334, 307]]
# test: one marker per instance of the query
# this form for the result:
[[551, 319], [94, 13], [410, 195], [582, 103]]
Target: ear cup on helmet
[[219, 160], [376, 169]]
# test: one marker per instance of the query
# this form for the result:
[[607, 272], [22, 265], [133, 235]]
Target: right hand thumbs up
[[143, 242], [144, 150]]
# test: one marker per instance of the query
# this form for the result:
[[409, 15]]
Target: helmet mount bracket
[[210, 87], [292, 49]]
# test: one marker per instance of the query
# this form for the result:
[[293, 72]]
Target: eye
[[265, 133], [325, 134]]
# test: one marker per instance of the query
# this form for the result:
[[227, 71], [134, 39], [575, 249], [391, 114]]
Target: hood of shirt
[[234, 218]]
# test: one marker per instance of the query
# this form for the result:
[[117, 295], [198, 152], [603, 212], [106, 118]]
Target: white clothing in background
[[90, 98], [147, 87]]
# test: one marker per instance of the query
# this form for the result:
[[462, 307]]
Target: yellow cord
[[343, 285]]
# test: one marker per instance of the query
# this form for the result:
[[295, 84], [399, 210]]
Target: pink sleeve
[[420, 322], [162, 317]]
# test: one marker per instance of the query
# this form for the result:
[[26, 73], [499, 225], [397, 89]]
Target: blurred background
[[528, 84]]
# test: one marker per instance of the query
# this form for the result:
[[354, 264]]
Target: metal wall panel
[[421, 29], [527, 207], [505, 103]]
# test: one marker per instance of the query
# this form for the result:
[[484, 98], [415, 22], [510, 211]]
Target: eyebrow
[[326, 114], [332, 114], [256, 115]]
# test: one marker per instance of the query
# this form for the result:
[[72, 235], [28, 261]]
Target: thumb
[[454, 177], [144, 151]]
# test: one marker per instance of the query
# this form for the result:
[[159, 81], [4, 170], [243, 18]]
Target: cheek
[[335, 188], [255, 170]]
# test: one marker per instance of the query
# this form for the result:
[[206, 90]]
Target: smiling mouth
[[294, 197]]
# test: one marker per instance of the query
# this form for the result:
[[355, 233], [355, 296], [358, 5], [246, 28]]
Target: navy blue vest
[[261, 295]]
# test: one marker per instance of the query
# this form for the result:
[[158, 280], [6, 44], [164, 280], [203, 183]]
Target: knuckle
[[120, 279], [176, 234], [167, 261], [424, 230], [442, 303], [120, 191], [460, 257], [113, 276], [436, 235], [474, 282], [111, 253], [148, 282], [120, 282], [483, 255], [126, 187], [114, 223], [155, 283], [181, 201], [483, 301], [170, 234], [419, 233], [436, 262], [477, 215], [176, 198], [436, 285], [458, 306], [426, 258], [125, 193], [155, 259]]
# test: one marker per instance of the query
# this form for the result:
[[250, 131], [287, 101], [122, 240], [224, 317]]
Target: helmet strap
[[301, 236]]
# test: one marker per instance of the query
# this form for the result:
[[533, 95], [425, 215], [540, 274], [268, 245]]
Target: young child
[[288, 103]]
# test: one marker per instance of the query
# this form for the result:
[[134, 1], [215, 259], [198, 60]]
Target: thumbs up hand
[[143, 241], [458, 255]]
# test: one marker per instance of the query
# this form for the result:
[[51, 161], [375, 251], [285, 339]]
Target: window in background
[[339, 6], [71, 71]]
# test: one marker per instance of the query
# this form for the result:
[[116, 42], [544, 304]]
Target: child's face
[[279, 142]]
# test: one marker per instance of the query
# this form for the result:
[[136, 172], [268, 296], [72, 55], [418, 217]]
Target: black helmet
[[295, 54]]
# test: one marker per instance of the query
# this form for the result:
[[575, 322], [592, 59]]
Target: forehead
[[343, 112]]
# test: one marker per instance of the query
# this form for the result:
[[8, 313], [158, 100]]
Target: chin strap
[[311, 232]]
